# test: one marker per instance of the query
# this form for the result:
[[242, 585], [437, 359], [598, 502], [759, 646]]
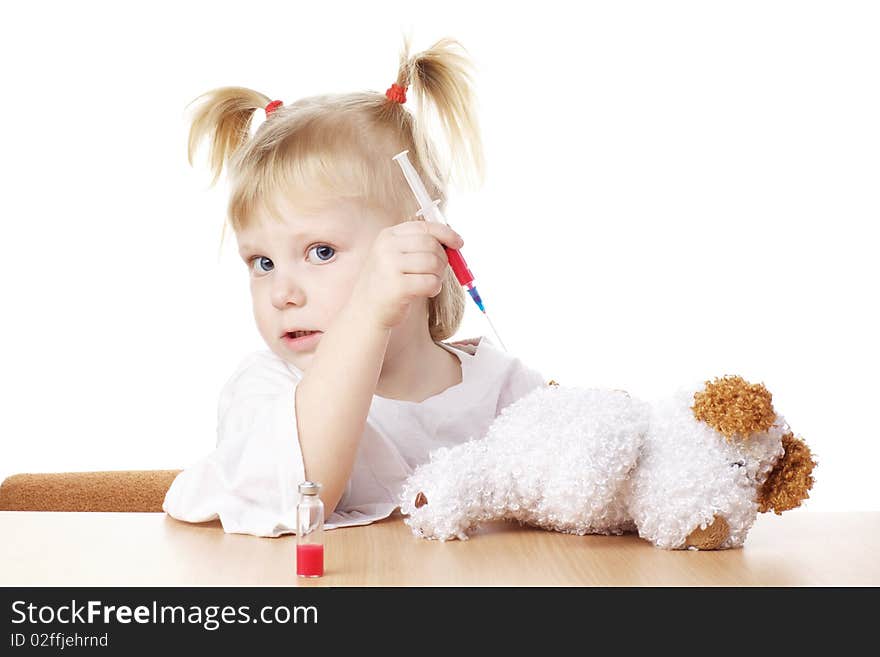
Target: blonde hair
[[335, 146]]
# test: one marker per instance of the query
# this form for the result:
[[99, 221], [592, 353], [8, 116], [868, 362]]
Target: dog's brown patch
[[711, 537], [421, 500], [551, 382], [791, 478], [733, 405]]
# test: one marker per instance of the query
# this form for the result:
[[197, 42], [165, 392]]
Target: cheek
[[334, 290], [261, 302]]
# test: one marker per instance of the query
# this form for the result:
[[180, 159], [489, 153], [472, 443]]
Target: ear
[[732, 405], [791, 478]]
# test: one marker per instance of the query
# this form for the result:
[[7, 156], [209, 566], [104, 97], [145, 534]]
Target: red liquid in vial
[[310, 560]]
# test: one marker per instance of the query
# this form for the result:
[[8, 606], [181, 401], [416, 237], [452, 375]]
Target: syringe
[[430, 211]]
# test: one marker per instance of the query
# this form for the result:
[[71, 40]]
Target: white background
[[676, 191]]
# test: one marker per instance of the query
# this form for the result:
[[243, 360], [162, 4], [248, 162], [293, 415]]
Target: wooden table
[[152, 549]]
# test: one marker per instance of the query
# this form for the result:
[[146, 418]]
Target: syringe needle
[[494, 331]]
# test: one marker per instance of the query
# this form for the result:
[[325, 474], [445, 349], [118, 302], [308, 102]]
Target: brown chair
[[113, 490]]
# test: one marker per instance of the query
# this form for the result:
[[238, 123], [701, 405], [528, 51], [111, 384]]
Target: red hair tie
[[396, 93], [271, 107]]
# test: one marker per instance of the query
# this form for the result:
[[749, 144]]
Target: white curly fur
[[591, 461]]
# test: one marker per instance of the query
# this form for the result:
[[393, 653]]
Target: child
[[353, 296]]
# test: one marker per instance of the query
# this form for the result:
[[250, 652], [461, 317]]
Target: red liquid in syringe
[[464, 275], [459, 266]]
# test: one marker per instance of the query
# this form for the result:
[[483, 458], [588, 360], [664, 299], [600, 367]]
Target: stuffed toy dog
[[690, 472]]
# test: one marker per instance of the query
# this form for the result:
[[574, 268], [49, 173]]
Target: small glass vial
[[309, 531]]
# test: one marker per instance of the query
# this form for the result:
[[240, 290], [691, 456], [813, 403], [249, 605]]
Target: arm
[[333, 398]]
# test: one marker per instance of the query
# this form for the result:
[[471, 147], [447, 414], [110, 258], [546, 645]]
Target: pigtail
[[223, 116], [440, 80]]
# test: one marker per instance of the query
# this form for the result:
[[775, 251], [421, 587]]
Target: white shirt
[[250, 481]]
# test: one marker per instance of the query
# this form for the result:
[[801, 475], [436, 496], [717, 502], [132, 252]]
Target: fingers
[[422, 285], [413, 261], [440, 231], [420, 243], [422, 263], [423, 272]]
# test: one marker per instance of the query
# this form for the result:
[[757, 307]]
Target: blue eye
[[256, 262], [323, 252]]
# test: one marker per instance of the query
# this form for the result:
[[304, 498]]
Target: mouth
[[298, 333], [301, 340]]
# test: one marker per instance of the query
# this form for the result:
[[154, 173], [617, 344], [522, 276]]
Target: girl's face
[[302, 271]]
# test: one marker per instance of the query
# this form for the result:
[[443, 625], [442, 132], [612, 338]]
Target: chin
[[301, 362]]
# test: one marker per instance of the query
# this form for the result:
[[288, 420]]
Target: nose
[[286, 291]]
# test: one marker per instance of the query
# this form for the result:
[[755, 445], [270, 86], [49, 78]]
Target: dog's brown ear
[[791, 478], [732, 405]]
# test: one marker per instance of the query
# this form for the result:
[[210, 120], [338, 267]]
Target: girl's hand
[[407, 261]]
